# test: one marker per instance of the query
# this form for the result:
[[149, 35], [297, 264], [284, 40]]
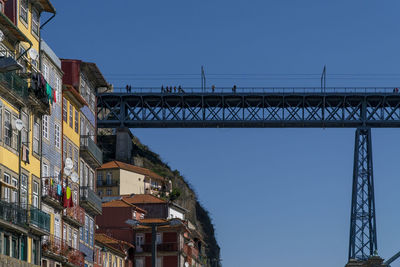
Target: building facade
[[23, 101], [85, 79], [118, 178]]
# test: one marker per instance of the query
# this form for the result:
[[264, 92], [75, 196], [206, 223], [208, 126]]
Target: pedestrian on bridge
[[213, 88]]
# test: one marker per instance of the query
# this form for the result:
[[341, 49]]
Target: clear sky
[[278, 197]]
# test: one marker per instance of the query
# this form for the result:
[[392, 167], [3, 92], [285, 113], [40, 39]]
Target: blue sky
[[278, 197]]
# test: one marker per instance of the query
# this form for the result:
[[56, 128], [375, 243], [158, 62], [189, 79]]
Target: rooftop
[[132, 168], [120, 203], [111, 242], [143, 199]]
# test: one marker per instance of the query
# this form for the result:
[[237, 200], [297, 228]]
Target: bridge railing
[[191, 90]]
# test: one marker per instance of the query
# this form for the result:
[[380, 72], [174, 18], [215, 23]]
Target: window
[[109, 177], [57, 135], [91, 178], [36, 130], [46, 72], [57, 226], [14, 247], [76, 160], [75, 240], [99, 179], [81, 173], [65, 115], [35, 251], [35, 194], [158, 238], [86, 175], [58, 89], [109, 192], [86, 229], [14, 139], [91, 232], [14, 192], [64, 149], [139, 263], [109, 260], [24, 189], [120, 262], [23, 11], [25, 130], [76, 121], [159, 262], [70, 237], [35, 22], [6, 192], [7, 128], [45, 170], [82, 126], [46, 127], [71, 115], [70, 150]]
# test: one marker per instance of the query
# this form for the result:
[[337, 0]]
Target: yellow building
[[23, 102], [111, 252], [118, 178]]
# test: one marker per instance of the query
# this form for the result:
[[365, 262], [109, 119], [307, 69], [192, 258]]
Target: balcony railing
[[75, 215], [55, 246], [90, 201], [15, 83], [76, 258], [166, 247], [90, 151], [39, 218], [49, 193], [13, 213]]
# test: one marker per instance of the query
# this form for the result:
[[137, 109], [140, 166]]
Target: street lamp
[[135, 223]]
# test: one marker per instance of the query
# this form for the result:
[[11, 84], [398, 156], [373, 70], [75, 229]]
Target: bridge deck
[[255, 107]]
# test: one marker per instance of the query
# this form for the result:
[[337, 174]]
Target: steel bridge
[[360, 108]]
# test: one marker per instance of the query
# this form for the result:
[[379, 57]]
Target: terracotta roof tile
[[120, 203], [142, 199], [111, 242], [121, 165]]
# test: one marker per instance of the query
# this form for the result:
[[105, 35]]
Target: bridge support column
[[362, 243]]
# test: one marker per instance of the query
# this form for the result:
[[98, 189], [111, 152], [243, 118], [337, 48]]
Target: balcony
[[55, 248], [75, 216], [102, 183], [90, 201], [75, 258], [90, 152], [49, 193], [163, 247], [7, 261], [39, 221], [13, 87], [12, 216]]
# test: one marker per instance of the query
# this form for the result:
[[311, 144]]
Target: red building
[[112, 221]]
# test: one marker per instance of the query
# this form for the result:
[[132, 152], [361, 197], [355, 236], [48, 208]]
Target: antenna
[[323, 79]]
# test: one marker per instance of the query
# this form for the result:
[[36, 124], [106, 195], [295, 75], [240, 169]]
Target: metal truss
[[363, 241], [248, 109]]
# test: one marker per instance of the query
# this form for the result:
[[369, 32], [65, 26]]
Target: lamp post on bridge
[[153, 226]]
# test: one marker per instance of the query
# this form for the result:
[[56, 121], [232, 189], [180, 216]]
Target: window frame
[[36, 138], [65, 110], [7, 128], [57, 135], [35, 24], [46, 127], [71, 115], [24, 9]]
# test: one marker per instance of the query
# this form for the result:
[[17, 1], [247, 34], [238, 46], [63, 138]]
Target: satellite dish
[[1, 36], [69, 164], [19, 124], [33, 54], [74, 177], [186, 264], [67, 171]]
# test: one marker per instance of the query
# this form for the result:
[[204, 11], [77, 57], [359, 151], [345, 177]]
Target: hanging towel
[[54, 96], [49, 92], [25, 154], [59, 190]]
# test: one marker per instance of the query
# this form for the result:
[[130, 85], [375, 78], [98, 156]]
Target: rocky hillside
[[183, 193]]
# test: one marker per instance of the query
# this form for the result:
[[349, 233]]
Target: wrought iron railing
[[49, 189], [39, 218], [55, 245], [15, 83], [88, 144], [76, 213], [88, 195], [13, 213]]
